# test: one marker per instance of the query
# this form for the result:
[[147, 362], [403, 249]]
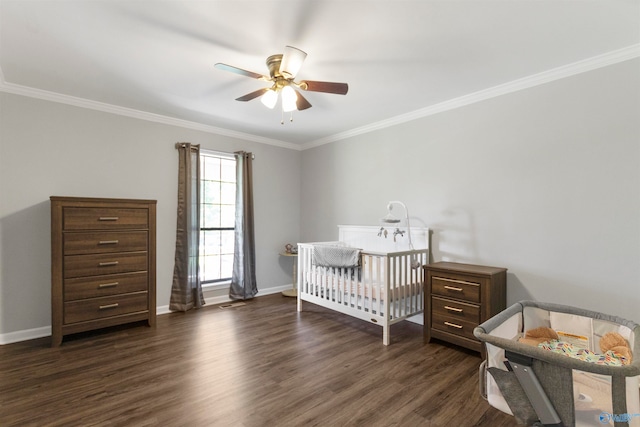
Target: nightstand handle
[[453, 288], [108, 242], [457, 310], [453, 325], [108, 218], [106, 264]]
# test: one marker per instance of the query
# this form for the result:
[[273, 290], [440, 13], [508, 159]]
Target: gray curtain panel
[[186, 290], [243, 279]]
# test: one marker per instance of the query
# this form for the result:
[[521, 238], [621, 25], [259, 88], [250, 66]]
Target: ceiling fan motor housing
[[273, 63]]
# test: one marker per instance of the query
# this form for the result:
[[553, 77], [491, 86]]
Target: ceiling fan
[[283, 68]]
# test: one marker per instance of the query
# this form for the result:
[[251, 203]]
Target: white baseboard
[[45, 331], [25, 335]]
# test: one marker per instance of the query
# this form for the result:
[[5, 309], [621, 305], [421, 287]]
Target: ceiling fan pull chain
[[291, 118], [282, 118]]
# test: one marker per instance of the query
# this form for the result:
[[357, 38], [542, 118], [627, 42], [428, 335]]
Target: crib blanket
[[336, 256]]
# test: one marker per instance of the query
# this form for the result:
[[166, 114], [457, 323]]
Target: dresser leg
[[56, 340]]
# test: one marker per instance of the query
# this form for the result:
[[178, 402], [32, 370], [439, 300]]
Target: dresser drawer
[[102, 264], [98, 308], [76, 218], [100, 286], [104, 242], [454, 288], [455, 309], [453, 325]]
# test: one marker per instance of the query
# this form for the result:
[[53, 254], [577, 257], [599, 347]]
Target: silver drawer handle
[[106, 264], [453, 288], [108, 285], [108, 218], [104, 307], [457, 310], [453, 325], [108, 242]]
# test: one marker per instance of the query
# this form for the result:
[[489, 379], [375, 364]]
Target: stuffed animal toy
[[538, 335], [613, 341]]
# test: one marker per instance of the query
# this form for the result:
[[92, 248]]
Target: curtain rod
[[220, 153], [184, 144], [253, 156]]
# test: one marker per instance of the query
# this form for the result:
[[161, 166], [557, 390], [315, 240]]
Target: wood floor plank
[[261, 364]]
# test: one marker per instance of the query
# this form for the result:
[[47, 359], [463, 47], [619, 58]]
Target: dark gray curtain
[[243, 279], [186, 290]]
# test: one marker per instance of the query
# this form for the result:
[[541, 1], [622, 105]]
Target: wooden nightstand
[[458, 297]]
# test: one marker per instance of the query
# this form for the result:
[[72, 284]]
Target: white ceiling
[[398, 56]]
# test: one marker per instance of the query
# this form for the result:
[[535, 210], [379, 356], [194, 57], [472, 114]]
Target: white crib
[[385, 289]]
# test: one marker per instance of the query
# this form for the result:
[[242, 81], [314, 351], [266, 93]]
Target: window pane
[[228, 193], [210, 216], [212, 242], [226, 265], [211, 168], [212, 267], [227, 241], [227, 216], [228, 170], [211, 192]]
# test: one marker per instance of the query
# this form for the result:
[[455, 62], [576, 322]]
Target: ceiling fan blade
[[301, 102], [292, 60], [252, 95], [328, 87], [240, 71]]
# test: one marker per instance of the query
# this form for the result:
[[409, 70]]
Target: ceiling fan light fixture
[[292, 60], [269, 98], [282, 71], [289, 99]]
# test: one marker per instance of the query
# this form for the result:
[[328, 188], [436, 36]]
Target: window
[[217, 216]]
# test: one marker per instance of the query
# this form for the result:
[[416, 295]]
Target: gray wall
[[545, 182], [54, 149]]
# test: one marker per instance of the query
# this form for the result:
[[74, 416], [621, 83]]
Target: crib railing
[[386, 288]]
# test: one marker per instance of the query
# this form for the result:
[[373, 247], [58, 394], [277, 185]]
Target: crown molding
[[136, 114], [609, 58]]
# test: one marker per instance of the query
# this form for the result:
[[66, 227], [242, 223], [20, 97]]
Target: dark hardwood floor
[[261, 364]]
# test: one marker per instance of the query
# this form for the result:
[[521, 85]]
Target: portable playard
[[555, 388]]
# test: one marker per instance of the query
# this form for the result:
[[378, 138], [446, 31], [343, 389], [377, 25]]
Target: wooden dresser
[[458, 297], [103, 263]]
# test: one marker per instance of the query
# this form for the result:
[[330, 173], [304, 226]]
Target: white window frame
[[204, 152]]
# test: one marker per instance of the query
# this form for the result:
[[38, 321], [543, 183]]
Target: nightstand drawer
[[105, 218], [101, 264], [105, 242], [455, 309], [454, 288], [97, 308], [101, 286], [453, 325]]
